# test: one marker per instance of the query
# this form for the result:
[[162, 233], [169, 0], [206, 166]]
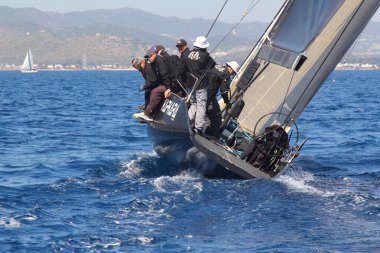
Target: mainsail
[[302, 46]]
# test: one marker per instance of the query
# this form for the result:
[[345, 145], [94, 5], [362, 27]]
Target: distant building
[[357, 66]]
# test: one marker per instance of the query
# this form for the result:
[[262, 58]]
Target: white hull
[[28, 71]]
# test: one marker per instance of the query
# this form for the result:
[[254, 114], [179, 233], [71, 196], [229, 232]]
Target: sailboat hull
[[171, 146], [170, 138], [29, 71]]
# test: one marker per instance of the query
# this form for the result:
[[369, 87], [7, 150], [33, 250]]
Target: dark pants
[[215, 115], [156, 97], [147, 97]]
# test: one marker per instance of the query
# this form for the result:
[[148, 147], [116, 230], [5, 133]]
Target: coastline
[[59, 67], [132, 69], [53, 70]]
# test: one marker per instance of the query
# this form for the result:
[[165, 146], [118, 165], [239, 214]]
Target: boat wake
[[301, 181], [339, 193], [135, 167], [184, 183], [149, 165], [300, 184]]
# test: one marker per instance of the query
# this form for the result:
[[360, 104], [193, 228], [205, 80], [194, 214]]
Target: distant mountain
[[116, 36]]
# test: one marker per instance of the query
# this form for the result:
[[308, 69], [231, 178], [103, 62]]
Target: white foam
[[130, 169], [9, 222], [30, 217], [142, 239], [110, 245], [184, 181], [300, 183], [359, 200]]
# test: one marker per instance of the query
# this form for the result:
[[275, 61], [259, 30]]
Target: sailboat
[[27, 66], [259, 135]]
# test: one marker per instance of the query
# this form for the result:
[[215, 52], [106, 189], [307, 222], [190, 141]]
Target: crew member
[[162, 69], [199, 61], [219, 81], [147, 70], [182, 65]]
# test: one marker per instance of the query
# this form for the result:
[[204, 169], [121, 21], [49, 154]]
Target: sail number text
[[170, 108]]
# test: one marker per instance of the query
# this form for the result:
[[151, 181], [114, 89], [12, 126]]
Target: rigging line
[[251, 6], [216, 18], [198, 81], [249, 9], [286, 94], [352, 48], [340, 36]]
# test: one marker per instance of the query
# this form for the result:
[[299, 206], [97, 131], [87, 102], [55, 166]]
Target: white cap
[[234, 65], [201, 42]]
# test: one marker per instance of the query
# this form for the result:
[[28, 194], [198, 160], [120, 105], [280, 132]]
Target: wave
[[147, 165], [300, 181], [181, 184], [10, 222], [134, 167], [358, 194]]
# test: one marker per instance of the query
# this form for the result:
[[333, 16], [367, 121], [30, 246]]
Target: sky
[[207, 9]]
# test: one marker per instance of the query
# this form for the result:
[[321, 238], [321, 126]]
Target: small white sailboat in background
[[27, 66]]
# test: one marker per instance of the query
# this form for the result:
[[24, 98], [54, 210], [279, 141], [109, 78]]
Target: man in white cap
[[199, 61], [219, 79]]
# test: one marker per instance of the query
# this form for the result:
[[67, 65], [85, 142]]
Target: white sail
[[302, 46], [27, 66]]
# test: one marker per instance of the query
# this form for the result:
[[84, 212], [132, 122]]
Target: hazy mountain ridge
[[116, 36]]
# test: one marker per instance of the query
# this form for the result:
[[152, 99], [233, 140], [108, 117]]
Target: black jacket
[[199, 61], [167, 70], [182, 67], [219, 79], [150, 76], [163, 69]]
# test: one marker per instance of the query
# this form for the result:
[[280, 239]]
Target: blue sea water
[[78, 174]]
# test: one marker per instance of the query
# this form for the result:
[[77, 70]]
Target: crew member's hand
[[168, 93]]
